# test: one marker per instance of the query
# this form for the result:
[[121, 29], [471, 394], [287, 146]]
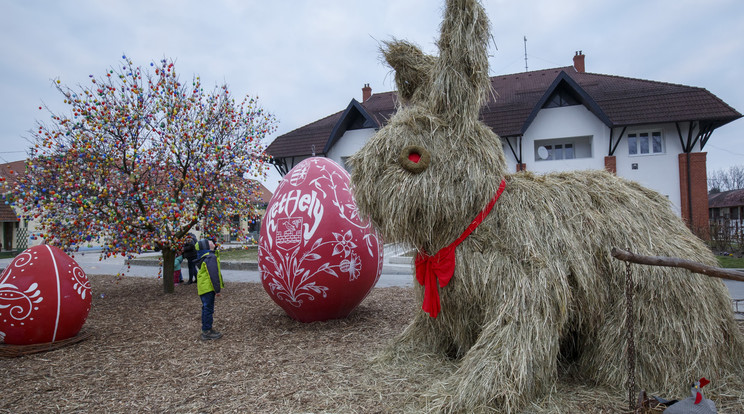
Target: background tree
[[726, 179], [141, 160]]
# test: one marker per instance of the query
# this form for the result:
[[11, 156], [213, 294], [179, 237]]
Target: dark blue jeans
[[207, 309], [192, 270]]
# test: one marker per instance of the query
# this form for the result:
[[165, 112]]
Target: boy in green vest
[[208, 285]]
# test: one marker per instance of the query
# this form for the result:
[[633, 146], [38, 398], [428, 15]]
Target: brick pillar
[[521, 167], [611, 164], [697, 196]]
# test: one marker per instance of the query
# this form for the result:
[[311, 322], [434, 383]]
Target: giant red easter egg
[[318, 259], [44, 297]]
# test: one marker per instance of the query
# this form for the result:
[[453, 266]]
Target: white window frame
[[638, 144], [550, 145]]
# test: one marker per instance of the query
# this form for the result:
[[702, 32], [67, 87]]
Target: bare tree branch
[[677, 262]]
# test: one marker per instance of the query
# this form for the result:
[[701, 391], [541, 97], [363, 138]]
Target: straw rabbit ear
[[460, 79], [412, 68]]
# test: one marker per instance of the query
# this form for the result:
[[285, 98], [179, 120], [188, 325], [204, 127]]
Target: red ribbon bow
[[441, 266]]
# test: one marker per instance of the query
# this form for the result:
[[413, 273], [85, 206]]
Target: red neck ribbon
[[441, 266]]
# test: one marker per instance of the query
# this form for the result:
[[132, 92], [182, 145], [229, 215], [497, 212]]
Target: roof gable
[[354, 117], [564, 81], [313, 137]]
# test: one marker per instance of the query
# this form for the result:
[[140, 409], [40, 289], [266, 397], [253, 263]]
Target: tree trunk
[[677, 262], [169, 256]]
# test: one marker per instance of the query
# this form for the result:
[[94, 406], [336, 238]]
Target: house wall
[[565, 122], [659, 172], [31, 232], [351, 142]]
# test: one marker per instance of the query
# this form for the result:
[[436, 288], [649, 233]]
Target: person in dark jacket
[[189, 253], [208, 285]]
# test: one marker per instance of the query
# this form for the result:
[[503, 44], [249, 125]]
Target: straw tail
[[461, 81], [412, 69]]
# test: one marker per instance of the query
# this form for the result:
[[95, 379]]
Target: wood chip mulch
[[145, 355]]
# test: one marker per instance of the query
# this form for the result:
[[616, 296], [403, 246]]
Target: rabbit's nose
[[414, 159]]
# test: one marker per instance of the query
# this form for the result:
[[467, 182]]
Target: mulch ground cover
[[144, 355]]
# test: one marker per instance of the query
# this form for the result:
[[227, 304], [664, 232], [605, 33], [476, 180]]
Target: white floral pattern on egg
[[44, 297], [318, 259]]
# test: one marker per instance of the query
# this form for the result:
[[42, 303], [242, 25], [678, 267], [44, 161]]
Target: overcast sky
[[306, 59]]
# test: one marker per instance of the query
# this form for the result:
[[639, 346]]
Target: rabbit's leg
[[422, 336], [513, 360]]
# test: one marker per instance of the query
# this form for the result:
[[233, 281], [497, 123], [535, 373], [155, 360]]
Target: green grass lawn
[[249, 254], [5, 255], [731, 262]]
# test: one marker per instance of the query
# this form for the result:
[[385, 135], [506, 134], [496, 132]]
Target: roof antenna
[[525, 54]]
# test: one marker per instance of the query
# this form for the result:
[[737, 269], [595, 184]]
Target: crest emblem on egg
[[318, 259], [44, 297]]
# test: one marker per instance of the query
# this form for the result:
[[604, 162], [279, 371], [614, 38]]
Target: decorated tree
[[141, 160]]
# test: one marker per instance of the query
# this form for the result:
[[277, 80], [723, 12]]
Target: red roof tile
[[7, 213], [624, 101], [12, 170]]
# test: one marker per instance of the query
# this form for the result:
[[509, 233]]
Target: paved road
[[392, 274]]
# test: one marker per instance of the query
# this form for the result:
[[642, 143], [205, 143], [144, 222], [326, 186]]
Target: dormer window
[[561, 97]]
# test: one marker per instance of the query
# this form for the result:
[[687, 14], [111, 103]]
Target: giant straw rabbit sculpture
[[516, 280]]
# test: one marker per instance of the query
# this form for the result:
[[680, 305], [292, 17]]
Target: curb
[[253, 266], [401, 260], [184, 265]]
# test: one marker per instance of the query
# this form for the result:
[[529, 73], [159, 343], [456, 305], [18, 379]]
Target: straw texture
[[535, 291]]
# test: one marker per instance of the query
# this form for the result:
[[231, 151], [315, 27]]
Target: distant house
[[562, 119], [10, 223], [727, 208], [14, 230], [251, 225]]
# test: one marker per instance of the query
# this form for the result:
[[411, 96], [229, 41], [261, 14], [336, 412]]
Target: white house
[[562, 119]]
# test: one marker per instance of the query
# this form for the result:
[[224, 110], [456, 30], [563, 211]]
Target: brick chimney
[[366, 92], [579, 62]]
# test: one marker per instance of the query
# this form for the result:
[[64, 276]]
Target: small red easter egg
[[44, 297], [317, 258]]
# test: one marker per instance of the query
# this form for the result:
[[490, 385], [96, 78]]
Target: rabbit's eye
[[414, 159]]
